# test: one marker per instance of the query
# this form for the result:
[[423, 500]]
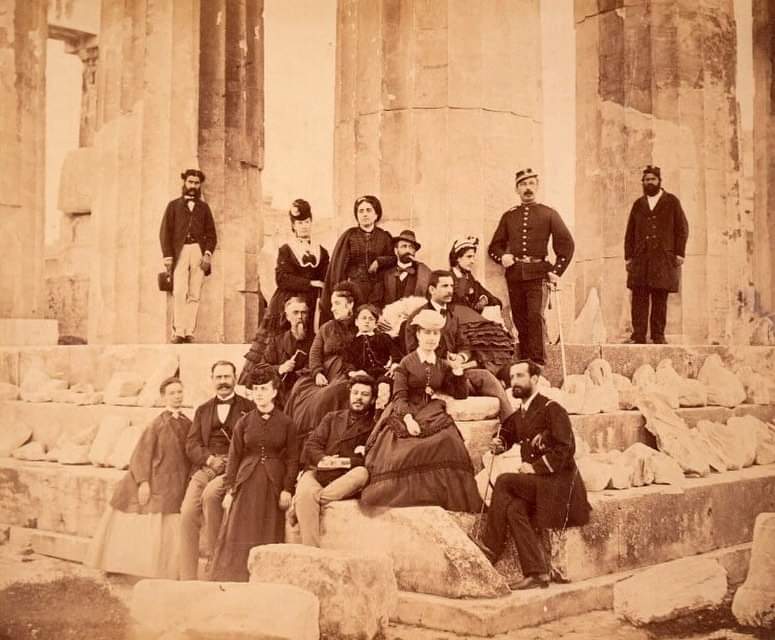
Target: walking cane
[[486, 489], [556, 291]]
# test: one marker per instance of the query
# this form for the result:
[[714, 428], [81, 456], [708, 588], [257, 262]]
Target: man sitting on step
[[547, 492], [207, 447], [334, 456]]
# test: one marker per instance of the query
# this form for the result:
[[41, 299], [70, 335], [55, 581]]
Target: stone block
[[223, 611], [724, 387], [122, 385], [166, 368], [8, 391], [13, 436], [596, 474], [76, 181], [760, 389], [357, 591], [28, 332], [124, 447], [9, 366], [734, 442], [670, 590], [754, 601], [477, 435], [473, 408], [59, 545], [430, 553], [108, 435], [589, 326], [691, 393], [32, 451]]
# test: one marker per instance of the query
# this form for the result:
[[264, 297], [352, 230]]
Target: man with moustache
[[188, 239], [547, 492], [654, 250], [287, 352], [453, 346], [333, 457], [207, 448], [520, 245], [409, 277]]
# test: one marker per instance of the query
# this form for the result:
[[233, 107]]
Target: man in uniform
[[188, 239], [654, 250], [520, 245], [547, 492]]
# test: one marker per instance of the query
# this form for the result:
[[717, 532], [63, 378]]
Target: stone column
[[231, 141], [764, 152], [437, 103], [89, 54], [23, 34], [656, 85]]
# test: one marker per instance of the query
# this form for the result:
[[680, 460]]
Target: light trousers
[[187, 281], [202, 502]]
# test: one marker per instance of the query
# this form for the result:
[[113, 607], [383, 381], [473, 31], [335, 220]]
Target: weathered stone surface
[[8, 391], [691, 393], [123, 384], [472, 408], [627, 391], [670, 590], [765, 441], [673, 437], [724, 387], [430, 552], [645, 379], [73, 454], [589, 327], [492, 466], [596, 474], [38, 386], [32, 451], [166, 368], [754, 602], [73, 448], [760, 389], [666, 470], [28, 332], [357, 591], [477, 435], [110, 430], [637, 458], [124, 447], [13, 436], [734, 443], [223, 611]]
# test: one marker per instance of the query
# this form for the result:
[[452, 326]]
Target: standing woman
[[260, 477], [360, 253], [138, 533], [301, 268]]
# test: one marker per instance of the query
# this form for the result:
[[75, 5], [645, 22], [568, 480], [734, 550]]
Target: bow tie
[[174, 413], [229, 402], [443, 312], [409, 269], [308, 258]]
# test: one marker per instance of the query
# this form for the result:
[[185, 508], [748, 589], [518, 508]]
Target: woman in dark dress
[[492, 345], [260, 478], [416, 455], [300, 271], [326, 361], [360, 254]]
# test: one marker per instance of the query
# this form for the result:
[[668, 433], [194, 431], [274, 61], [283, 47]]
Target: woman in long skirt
[[260, 477], [138, 533], [416, 455]]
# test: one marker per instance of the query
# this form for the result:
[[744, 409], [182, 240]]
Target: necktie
[[443, 312], [189, 203]]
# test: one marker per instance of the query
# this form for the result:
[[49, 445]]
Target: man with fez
[[453, 346], [547, 492], [333, 457], [188, 240], [207, 448], [654, 250], [409, 277], [520, 244], [288, 352]]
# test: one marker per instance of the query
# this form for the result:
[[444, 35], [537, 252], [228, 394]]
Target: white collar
[[526, 403], [175, 413], [426, 359], [227, 398], [437, 306], [300, 247], [652, 200], [361, 333]]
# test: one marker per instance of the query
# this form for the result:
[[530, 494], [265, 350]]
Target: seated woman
[[326, 361], [260, 478], [138, 533], [416, 455], [491, 345]]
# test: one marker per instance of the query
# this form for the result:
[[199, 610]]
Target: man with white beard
[[288, 352]]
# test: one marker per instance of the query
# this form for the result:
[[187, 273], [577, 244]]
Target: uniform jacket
[[178, 222], [160, 459], [561, 498], [335, 435], [199, 433], [387, 289], [653, 240], [524, 231]]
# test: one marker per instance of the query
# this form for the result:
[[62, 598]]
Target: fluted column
[[437, 103], [23, 34], [656, 85]]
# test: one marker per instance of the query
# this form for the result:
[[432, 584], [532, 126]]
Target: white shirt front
[[652, 200], [526, 403], [223, 409]]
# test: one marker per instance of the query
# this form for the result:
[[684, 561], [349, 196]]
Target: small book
[[335, 463]]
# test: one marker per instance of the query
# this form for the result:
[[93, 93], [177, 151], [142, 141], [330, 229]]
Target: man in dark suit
[[654, 250], [333, 457], [547, 492], [409, 277], [207, 447], [453, 346], [520, 245], [188, 239]]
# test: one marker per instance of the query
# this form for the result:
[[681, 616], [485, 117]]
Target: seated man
[[288, 352], [453, 346], [333, 456], [547, 492], [409, 277]]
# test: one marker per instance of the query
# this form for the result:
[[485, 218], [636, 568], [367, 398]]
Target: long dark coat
[[159, 459], [561, 497], [653, 240], [178, 222]]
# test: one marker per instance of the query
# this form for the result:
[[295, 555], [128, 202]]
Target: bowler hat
[[408, 236], [524, 174]]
